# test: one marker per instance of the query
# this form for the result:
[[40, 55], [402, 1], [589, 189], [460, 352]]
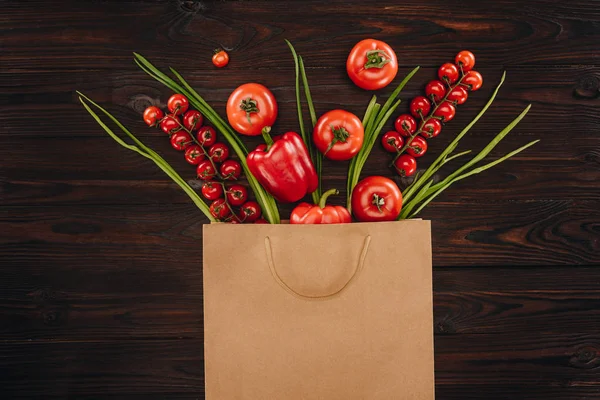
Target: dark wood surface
[[101, 274]]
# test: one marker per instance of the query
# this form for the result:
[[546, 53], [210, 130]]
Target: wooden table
[[101, 273]]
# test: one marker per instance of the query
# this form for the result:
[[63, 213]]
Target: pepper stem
[[268, 139], [323, 199]]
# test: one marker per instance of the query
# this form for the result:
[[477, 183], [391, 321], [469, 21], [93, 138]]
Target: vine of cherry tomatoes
[[429, 113], [187, 133]]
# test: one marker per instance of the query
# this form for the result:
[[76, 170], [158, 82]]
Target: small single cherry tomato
[[372, 64], [152, 115], [192, 120], [178, 104], [417, 147], [431, 128], [207, 136], [435, 90], [446, 110], [218, 152], [448, 73], [194, 154], [261, 221], [236, 195], [170, 124], [458, 95], [205, 170], [376, 198], [466, 60], [212, 190], [230, 170], [405, 165], [420, 107], [250, 108], [220, 58], [392, 141], [181, 140], [473, 79], [339, 135], [219, 209], [250, 212], [406, 125]]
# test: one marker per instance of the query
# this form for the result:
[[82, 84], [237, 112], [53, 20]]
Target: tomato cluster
[[211, 159], [430, 112]]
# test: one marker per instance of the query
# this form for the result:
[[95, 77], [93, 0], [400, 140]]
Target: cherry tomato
[[420, 107], [466, 59], [170, 124], [230, 170], [446, 110], [192, 120], [431, 128], [194, 154], [448, 73], [473, 79], [207, 136], [178, 104], [236, 195], [339, 135], [406, 125], [250, 212], [417, 147], [406, 165], [459, 95], [261, 221], [435, 90], [218, 152], [205, 170], [152, 115], [220, 58], [372, 64], [376, 198], [392, 141], [219, 209], [181, 140], [250, 108], [212, 190]]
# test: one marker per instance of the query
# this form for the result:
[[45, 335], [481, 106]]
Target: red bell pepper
[[306, 213], [283, 167]]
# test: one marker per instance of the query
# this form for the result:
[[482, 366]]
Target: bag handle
[[359, 267]]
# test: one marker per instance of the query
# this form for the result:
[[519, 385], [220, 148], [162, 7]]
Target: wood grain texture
[[100, 254]]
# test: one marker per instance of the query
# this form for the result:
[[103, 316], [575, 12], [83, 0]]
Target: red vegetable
[[466, 60], [205, 170], [194, 154], [406, 165], [376, 198], [459, 95], [218, 152], [417, 147], [446, 110], [406, 125], [236, 195], [431, 128], [372, 64], [473, 79], [230, 170], [219, 209], [220, 58], [170, 124], [152, 115], [212, 190], [420, 107], [306, 213], [250, 212], [448, 73], [435, 90], [250, 108], [207, 136], [178, 104], [181, 140], [392, 141], [339, 135], [192, 120]]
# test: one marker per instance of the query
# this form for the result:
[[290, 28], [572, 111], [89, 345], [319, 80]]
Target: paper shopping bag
[[321, 312]]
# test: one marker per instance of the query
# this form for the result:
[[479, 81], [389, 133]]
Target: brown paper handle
[[359, 267]]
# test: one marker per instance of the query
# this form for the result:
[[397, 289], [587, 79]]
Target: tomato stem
[[249, 106], [376, 59], [340, 135], [323, 199], [378, 201]]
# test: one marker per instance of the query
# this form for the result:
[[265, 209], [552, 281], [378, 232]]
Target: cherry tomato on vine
[[431, 128], [466, 59], [405, 125], [230, 170], [392, 141], [181, 140], [250, 108], [170, 124], [376, 198], [417, 147], [152, 115], [406, 165], [446, 110], [219, 209], [435, 90], [212, 190], [205, 170], [339, 135], [192, 120], [448, 73], [218, 152], [194, 154], [250, 212], [372, 64], [207, 136], [236, 195], [473, 79], [420, 107], [459, 94], [178, 104], [220, 58]]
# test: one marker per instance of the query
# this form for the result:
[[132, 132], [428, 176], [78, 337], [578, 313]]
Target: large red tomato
[[250, 108], [376, 198], [339, 135], [372, 64]]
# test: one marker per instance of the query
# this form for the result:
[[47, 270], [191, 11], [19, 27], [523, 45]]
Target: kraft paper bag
[[327, 312]]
